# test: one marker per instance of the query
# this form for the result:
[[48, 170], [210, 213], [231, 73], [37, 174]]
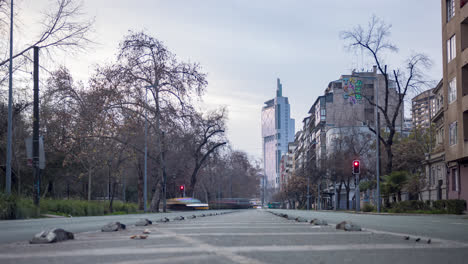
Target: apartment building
[[344, 105], [343, 109], [423, 109], [435, 187], [455, 91]]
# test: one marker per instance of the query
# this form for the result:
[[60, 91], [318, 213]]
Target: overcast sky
[[245, 45]]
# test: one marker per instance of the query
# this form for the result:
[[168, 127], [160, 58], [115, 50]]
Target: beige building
[[423, 109], [435, 182], [455, 93], [346, 104]]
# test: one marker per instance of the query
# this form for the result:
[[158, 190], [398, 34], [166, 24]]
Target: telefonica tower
[[277, 132]]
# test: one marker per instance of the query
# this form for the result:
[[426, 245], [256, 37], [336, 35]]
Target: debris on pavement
[[143, 222], [51, 236], [112, 227]]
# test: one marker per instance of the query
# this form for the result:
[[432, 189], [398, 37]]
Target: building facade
[[423, 109], [277, 131], [344, 110], [435, 180], [455, 93]]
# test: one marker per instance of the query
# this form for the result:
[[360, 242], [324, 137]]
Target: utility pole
[[36, 169], [357, 194], [10, 110], [377, 140], [145, 194], [164, 172]]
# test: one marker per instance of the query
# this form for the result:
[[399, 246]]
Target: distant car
[[186, 203], [274, 205]]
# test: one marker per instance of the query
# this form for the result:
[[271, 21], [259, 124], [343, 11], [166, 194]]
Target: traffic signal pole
[[357, 194]]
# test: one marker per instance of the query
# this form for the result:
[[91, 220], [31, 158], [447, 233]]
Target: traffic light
[[356, 166], [182, 190]]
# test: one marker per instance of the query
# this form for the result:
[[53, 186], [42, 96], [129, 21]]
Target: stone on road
[[51, 236], [246, 236], [143, 222], [113, 226]]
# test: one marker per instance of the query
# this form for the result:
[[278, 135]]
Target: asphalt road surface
[[256, 236]]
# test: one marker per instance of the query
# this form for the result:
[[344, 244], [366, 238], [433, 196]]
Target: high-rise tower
[[277, 131]]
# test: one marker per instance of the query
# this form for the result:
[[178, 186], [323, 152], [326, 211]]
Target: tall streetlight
[[377, 140], [146, 151], [308, 179], [10, 111]]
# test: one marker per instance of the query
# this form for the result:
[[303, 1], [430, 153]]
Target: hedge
[[411, 205], [12, 207], [454, 206], [440, 206]]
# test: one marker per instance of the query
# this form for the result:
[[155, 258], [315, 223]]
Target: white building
[[277, 131]]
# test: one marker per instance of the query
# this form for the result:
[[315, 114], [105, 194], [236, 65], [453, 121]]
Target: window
[[455, 184], [451, 49], [322, 114], [453, 133], [450, 9], [452, 90], [278, 117], [465, 125]]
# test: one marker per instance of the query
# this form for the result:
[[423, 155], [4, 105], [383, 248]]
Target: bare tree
[[208, 135], [146, 63], [62, 27], [374, 40]]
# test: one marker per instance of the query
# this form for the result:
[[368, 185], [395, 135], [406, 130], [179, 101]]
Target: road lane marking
[[200, 247], [186, 259], [220, 251], [230, 227], [459, 223]]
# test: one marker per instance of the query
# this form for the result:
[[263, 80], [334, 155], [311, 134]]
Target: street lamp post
[[146, 152], [10, 110], [377, 141]]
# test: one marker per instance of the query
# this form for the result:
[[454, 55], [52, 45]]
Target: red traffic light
[[182, 187], [356, 167]]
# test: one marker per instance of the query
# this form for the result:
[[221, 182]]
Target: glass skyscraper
[[277, 131]]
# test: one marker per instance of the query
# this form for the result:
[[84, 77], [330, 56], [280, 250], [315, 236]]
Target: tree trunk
[[154, 207], [140, 186], [114, 187], [207, 196], [348, 190], [157, 197], [338, 193], [388, 169]]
